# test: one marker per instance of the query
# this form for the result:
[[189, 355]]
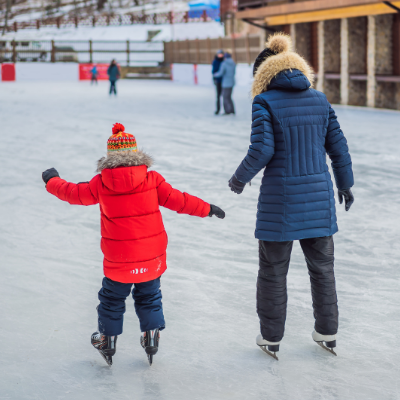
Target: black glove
[[48, 174], [218, 212], [235, 185], [348, 198]]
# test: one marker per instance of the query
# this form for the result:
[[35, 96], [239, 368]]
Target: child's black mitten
[[348, 198], [48, 174], [235, 185], [218, 212]]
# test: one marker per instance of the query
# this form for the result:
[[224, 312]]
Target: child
[[134, 240]]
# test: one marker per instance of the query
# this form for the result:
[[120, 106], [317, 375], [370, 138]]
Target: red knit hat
[[120, 140]]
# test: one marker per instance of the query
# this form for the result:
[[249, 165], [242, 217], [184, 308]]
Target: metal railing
[[125, 52]]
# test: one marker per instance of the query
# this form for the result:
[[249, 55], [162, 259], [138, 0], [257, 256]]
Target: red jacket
[[134, 241]]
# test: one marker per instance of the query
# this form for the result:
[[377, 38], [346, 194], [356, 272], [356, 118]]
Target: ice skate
[[149, 342], [106, 345], [271, 348], [327, 342]]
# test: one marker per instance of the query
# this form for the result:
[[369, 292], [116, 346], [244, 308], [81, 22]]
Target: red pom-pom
[[117, 128]]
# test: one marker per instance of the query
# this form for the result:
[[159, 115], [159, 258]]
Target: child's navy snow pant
[[271, 285], [148, 306]]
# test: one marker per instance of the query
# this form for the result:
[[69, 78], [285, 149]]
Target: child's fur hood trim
[[124, 159], [285, 59]]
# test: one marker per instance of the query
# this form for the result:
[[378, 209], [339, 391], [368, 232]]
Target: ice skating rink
[[51, 263]]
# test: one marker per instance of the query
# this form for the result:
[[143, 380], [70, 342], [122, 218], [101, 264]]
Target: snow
[[199, 30], [51, 263]]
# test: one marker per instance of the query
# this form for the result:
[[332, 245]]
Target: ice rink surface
[[51, 263]]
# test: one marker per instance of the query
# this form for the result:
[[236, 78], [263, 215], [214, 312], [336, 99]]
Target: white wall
[[46, 72], [185, 73]]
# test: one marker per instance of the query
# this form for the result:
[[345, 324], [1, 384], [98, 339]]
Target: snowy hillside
[[167, 32]]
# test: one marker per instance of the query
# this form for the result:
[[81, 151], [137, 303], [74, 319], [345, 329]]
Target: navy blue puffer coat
[[293, 129]]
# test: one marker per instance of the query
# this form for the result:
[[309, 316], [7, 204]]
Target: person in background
[[113, 75], [216, 64], [94, 73], [227, 72]]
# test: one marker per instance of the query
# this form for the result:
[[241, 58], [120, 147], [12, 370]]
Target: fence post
[[131, 19], [233, 49], [76, 21], [94, 21], [58, 22], [155, 19], [204, 16], [170, 17], [15, 26], [186, 18], [53, 52], [14, 51], [90, 52], [248, 50], [128, 53], [108, 20], [37, 24], [197, 51]]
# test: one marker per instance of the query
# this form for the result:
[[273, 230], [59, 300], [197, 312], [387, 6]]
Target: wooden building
[[353, 45]]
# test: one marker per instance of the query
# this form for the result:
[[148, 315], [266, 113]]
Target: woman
[[293, 129], [227, 73], [113, 76]]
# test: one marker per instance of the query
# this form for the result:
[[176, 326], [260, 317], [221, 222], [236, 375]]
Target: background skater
[[293, 129], [113, 75], [227, 72]]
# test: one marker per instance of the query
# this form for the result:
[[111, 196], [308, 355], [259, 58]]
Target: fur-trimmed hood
[[124, 159], [285, 59]]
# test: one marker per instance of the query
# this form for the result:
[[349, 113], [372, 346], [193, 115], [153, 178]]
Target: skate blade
[[107, 359], [150, 358], [273, 355], [326, 348]]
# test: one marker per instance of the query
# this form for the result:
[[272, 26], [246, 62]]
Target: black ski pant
[[271, 285], [218, 88], [229, 108], [113, 87]]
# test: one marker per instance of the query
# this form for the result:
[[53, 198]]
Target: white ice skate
[[329, 340], [271, 348]]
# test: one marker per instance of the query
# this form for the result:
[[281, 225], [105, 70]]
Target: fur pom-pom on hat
[[277, 57], [279, 42]]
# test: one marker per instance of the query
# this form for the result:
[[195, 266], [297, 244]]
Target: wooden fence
[[202, 51]]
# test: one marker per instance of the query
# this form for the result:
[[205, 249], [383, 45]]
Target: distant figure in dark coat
[[216, 64], [113, 76], [227, 72], [293, 129], [94, 73]]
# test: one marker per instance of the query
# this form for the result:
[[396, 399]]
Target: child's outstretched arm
[[184, 203], [84, 193]]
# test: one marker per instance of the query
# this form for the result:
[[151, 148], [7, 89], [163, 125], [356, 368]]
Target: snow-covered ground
[[199, 30], [51, 263]]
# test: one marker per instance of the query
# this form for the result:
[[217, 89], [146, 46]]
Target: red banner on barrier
[[85, 71], [8, 72]]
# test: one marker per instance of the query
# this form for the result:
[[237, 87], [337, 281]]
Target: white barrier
[[200, 74], [47, 72]]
